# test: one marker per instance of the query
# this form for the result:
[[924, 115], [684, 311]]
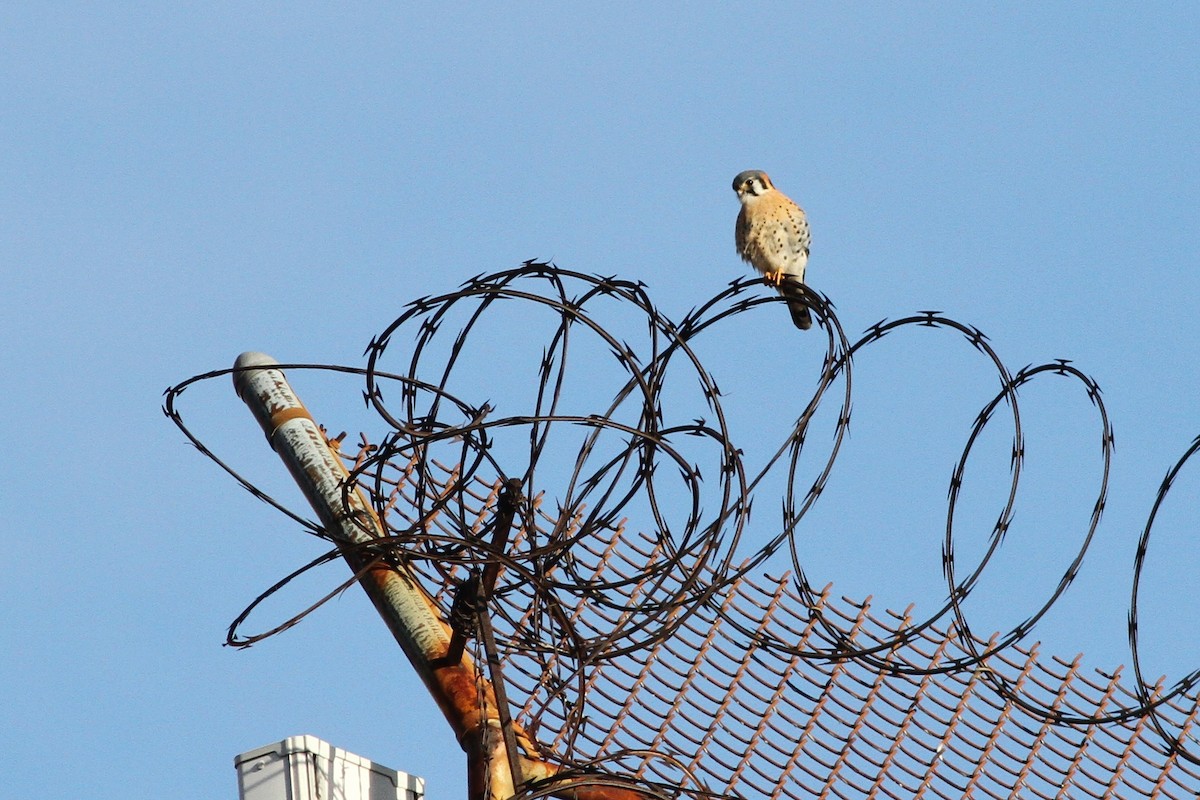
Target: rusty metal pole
[[466, 699]]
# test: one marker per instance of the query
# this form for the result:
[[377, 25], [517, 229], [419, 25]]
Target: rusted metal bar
[[466, 698], [506, 508], [502, 707]]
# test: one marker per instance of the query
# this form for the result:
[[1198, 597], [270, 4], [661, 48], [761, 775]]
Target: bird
[[772, 236]]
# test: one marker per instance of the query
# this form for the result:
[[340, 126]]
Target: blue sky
[[181, 184]]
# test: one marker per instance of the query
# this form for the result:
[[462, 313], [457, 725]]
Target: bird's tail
[[795, 303], [800, 314]]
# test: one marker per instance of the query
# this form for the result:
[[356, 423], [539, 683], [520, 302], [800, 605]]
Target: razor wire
[[429, 477]]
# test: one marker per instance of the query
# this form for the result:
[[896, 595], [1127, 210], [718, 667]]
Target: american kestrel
[[772, 236]]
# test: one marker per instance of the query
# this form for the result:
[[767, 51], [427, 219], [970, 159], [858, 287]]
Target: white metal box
[[307, 768]]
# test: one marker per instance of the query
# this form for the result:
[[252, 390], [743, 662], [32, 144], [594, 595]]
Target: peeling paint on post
[[405, 607], [466, 698], [321, 475]]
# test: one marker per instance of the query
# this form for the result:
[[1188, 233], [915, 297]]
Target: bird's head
[[751, 183]]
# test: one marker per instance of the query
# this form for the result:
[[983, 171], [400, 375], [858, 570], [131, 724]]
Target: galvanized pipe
[[467, 699], [405, 607]]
